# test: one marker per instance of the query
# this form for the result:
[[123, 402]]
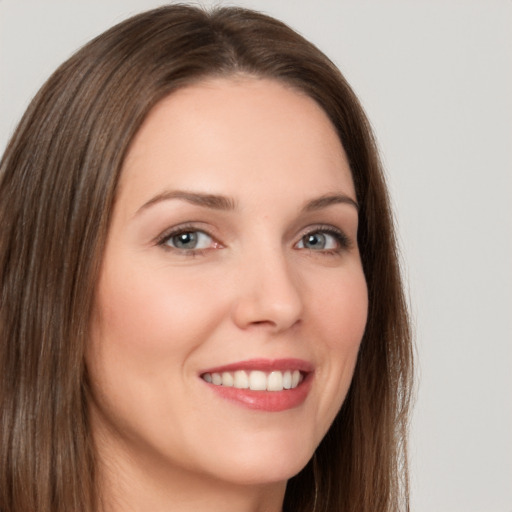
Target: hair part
[[58, 182]]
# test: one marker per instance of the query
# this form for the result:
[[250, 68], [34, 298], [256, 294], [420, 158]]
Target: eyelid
[[345, 242], [161, 239]]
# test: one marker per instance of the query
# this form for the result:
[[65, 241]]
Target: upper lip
[[265, 365]]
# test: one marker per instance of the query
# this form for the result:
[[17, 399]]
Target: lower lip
[[270, 401]]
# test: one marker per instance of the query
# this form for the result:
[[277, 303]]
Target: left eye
[[319, 241], [189, 240]]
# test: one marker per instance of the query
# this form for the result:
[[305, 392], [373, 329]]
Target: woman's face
[[231, 261]]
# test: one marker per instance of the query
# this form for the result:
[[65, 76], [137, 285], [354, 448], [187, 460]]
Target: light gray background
[[435, 78]]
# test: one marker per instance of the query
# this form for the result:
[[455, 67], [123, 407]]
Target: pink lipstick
[[262, 384]]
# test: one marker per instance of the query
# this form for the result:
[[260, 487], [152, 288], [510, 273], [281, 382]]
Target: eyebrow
[[329, 200], [224, 203], [213, 201]]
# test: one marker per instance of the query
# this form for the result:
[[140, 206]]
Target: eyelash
[[343, 241], [183, 229]]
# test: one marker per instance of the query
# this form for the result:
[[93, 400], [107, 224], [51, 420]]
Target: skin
[[256, 289]]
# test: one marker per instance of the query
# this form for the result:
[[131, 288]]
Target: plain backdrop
[[435, 78]]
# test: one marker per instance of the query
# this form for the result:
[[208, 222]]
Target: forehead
[[236, 134]]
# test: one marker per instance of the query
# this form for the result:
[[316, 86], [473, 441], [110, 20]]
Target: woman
[[201, 303]]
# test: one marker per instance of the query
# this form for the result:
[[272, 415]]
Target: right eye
[[188, 240]]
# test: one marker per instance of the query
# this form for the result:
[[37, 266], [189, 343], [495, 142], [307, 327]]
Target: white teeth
[[287, 379], [275, 381], [227, 379], [241, 380], [256, 380]]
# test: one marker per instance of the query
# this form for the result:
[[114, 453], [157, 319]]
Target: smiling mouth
[[265, 385], [256, 380]]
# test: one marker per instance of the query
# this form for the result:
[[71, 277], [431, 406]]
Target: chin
[[264, 462], [271, 472]]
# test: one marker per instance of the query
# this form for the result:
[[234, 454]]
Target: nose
[[268, 293]]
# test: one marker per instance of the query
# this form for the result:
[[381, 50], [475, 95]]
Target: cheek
[[154, 312], [342, 310], [341, 314], [147, 324]]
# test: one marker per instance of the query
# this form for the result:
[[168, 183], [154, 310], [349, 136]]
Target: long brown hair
[[57, 188]]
